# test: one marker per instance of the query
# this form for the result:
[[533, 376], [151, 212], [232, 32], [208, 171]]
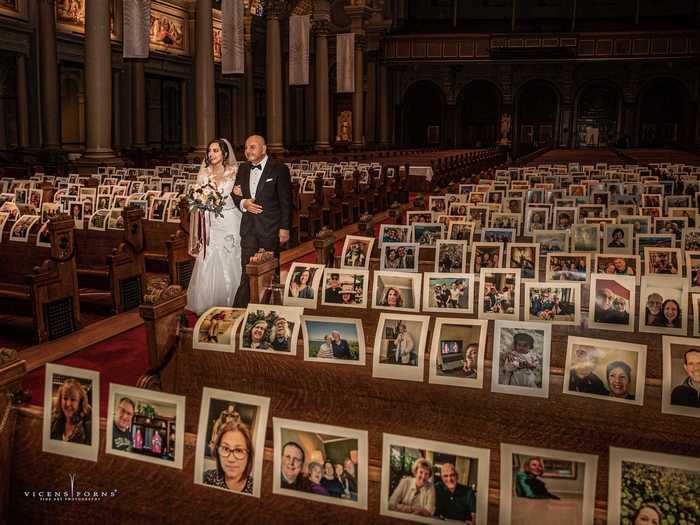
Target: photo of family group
[[485, 255], [553, 302], [322, 463], [461, 231], [71, 417], [451, 292], [568, 266], [302, 284], [230, 441], [548, 487], [499, 294], [270, 328], [618, 265], [146, 425], [396, 291], [681, 375], [399, 346], [451, 256], [612, 302], [346, 288], [333, 339], [604, 369], [216, 329], [551, 241], [432, 482], [457, 352]]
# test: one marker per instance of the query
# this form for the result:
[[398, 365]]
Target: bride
[[217, 269]]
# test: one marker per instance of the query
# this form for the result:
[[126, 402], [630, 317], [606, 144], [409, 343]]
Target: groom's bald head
[[255, 149]]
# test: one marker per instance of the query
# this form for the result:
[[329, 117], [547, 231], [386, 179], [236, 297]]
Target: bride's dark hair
[[224, 151]]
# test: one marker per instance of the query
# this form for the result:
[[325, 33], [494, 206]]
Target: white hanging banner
[[232, 37], [299, 31], [345, 52], [137, 28]]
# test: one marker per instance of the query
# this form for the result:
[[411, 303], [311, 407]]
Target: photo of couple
[[333, 339]]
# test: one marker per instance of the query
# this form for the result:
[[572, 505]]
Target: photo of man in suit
[[266, 202]]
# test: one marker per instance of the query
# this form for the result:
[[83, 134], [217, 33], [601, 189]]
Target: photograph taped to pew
[[520, 363], [271, 329], [401, 257], [301, 286], [396, 291], [526, 257], [43, 236], [77, 211], [502, 235], [461, 230], [4, 217], [427, 234], [652, 240], [665, 302], [173, 213], [571, 266], [49, 209], [485, 255], [618, 265], [612, 302], [98, 220], [22, 227], [553, 302], [322, 463], [71, 424], [157, 209], [457, 352], [499, 293], [663, 261], [333, 340], [451, 256], [605, 370], [546, 486], [394, 233], [115, 220], [399, 346], [681, 375], [448, 292], [347, 288], [216, 329], [356, 252], [618, 238], [651, 487], [551, 240], [434, 482], [585, 238], [146, 425], [418, 217], [231, 441]]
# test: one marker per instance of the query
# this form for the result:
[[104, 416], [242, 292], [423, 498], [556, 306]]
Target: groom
[[266, 203]]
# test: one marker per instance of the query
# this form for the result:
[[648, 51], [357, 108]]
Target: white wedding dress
[[217, 269]]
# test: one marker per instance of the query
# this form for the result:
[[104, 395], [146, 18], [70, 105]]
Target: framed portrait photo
[[606, 370], [536, 482], [618, 265], [442, 469], [692, 268], [618, 238], [612, 302], [399, 346], [526, 257], [271, 328], [216, 329], [663, 261], [641, 483], [665, 302], [396, 291], [333, 340], [448, 293], [356, 252], [231, 441], [71, 425], [301, 286], [399, 257], [427, 234], [585, 238], [499, 293], [520, 363], [653, 240], [457, 352], [304, 450], [553, 302], [551, 240], [562, 266], [345, 287], [485, 255], [461, 230], [681, 374], [394, 233], [146, 425], [451, 256]]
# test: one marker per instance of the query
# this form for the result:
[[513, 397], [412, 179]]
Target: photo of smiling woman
[[70, 413]]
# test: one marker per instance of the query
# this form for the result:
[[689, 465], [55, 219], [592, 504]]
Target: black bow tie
[[256, 167]]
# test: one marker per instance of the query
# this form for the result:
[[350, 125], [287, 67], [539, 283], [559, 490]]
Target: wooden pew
[[41, 282]]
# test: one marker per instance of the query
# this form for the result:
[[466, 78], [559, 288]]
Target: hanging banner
[[137, 28], [299, 31], [232, 37], [345, 52]]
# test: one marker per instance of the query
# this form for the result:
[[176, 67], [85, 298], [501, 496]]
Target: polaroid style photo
[[141, 425], [43, 236], [271, 329], [681, 375], [216, 329], [304, 450], [157, 209], [485, 255], [345, 287], [606, 370], [396, 291], [653, 240], [400, 257], [231, 441], [173, 211], [536, 218], [499, 294], [451, 256], [448, 293], [663, 261], [526, 257], [551, 240], [585, 238], [71, 425], [539, 481], [427, 234], [695, 301], [461, 230], [356, 252], [418, 217], [457, 352], [394, 233], [333, 340], [301, 286], [640, 485], [22, 227], [665, 302], [618, 238], [612, 302], [502, 235], [441, 469], [553, 302], [98, 220], [399, 346], [561, 266], [520, 363], [618, 265]]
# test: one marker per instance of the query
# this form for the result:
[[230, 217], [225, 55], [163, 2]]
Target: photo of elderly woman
[[396, 291], [399, 346], [230, 441], [333, 339], [665, 305], [270, 328], [433, 482], [612, 303]]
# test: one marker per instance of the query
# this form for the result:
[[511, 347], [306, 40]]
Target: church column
[[98, 81], [371, 106], [273, 78], [184, 114], [205, 99], [358, 13], [48, 77], [321, 27], [384, 118], [22, 102], [249, 75], [138, 104]]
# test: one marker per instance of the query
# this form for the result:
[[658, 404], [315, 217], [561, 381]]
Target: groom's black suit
[[274, 194]]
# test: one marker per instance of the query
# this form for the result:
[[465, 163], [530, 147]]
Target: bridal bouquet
[[207, 198]]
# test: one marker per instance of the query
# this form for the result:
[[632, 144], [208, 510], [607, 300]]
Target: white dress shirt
[[255, 176]]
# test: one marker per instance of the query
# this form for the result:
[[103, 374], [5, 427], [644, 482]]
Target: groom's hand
[[284, 236], [251, 206]]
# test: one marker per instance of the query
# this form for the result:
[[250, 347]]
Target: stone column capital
[[275, 9], [321, 26]]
